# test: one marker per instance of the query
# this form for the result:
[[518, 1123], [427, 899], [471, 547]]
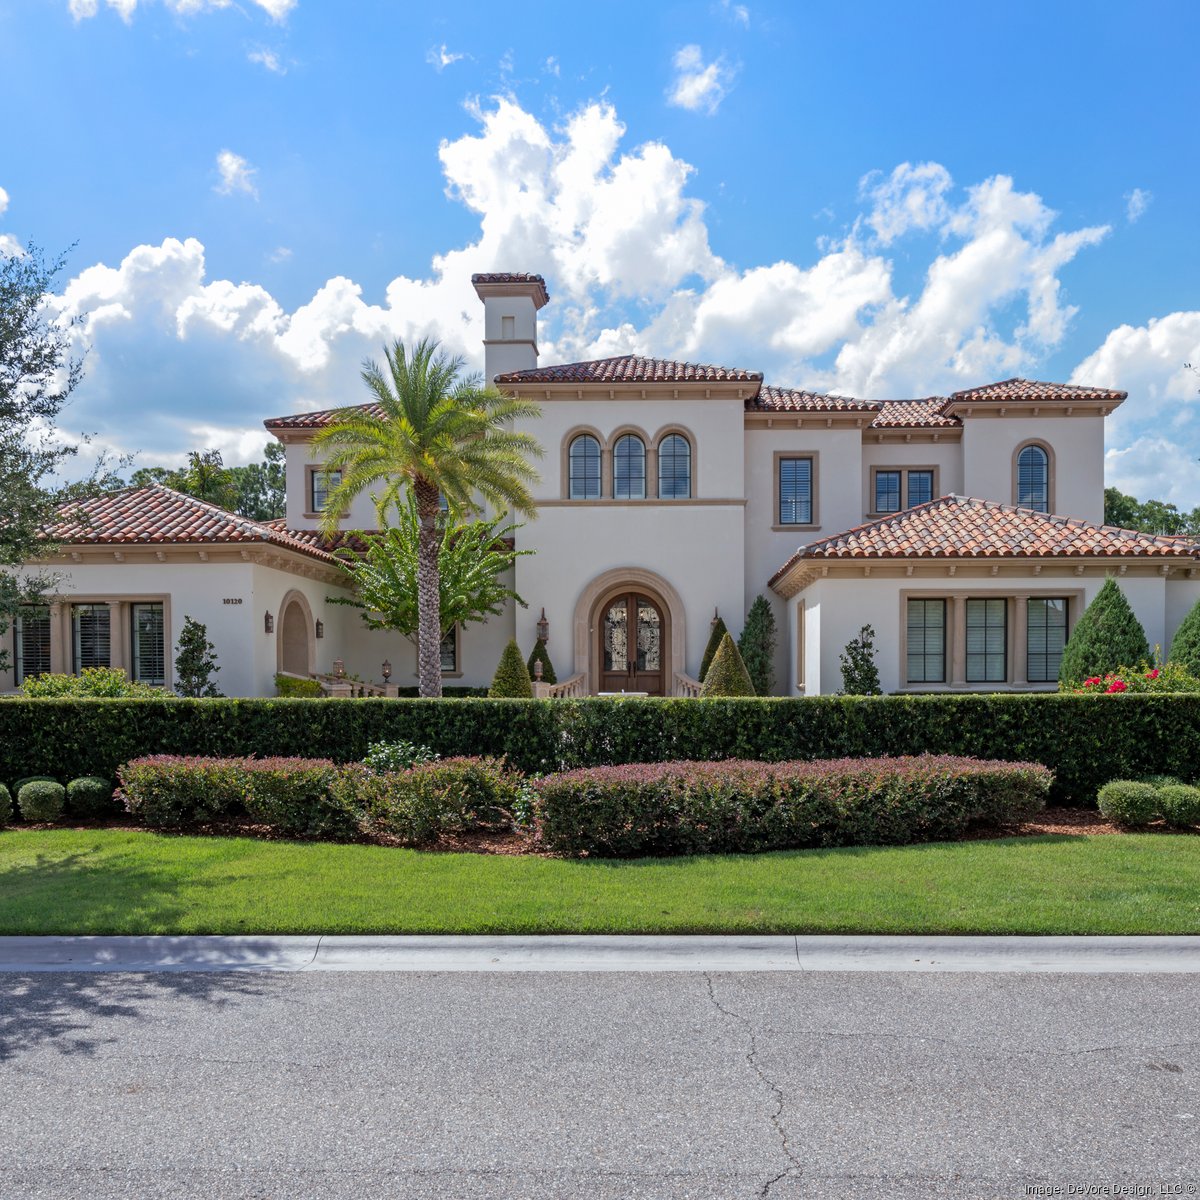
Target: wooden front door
[[631, 645]]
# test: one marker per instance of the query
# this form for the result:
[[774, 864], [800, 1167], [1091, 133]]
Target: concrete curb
[[1084, 955]]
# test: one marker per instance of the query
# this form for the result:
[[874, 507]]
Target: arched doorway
[[295, 645], [631, 653]]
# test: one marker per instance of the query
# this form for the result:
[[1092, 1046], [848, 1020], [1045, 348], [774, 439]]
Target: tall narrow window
[[323, 482], [1033, 479], [31, 638], [795, 491], [1046, 637], [887, 491], [449, 651], [147, 644], [674, 468], [926, 641], [583, 468], [91, 636], [629, 468], [920, 487], [987, 641]]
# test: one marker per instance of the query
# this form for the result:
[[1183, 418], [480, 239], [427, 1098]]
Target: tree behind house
[[196, 662]]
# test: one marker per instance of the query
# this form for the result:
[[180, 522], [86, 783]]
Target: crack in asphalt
[[796, 1166]]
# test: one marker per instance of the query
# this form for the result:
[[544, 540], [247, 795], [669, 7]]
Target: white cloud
[[699, 86], [440, 58], [277, 10], [1153, 467], [237, 175], [738, 13], [268, 59], [280, 254], [1136, 203], [551, 67], [3, 201], [909, 198], [506, 63]]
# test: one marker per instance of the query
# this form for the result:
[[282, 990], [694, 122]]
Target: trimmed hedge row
[[737, 807], [1086, 740]]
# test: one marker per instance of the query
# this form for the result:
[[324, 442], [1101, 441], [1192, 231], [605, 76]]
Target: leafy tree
[[860, 675], [207, 478], [757, 645], [1153, 516], [541, 654], [1108, 636], [512, 676], [262, 487], [435, 433], [384, 573], [257, 491], [37, 374], [1185, 645], [727, 674], [714, 641], [196, 662]]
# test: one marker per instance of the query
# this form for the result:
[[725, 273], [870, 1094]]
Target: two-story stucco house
[[965, 529]]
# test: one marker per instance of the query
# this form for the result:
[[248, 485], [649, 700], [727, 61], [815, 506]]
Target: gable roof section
[[160, 516], [915, 414], [1030, 391], [321, 417], [631, 368], [962, 527]]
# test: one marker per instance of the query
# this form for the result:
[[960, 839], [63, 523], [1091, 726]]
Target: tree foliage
[[511, 680], [1185, 645], [257, 490], [1108, 636], [727, 674], [1151, 516], [473, 558], [860, 675], [714, 641], [541, 654], [196, 662], [757, 645], [430, 432]]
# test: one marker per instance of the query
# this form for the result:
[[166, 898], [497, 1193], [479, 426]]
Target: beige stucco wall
[[298, 457], [945, 456]]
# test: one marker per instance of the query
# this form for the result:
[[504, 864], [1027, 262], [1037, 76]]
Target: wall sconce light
[[543, 627], [387, 670], [716, 617], [339, 668], [320, 629], [269, 623]]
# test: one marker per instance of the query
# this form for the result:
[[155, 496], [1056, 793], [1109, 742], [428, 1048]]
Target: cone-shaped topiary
[[727, 674], [1185, 645], [757, 645], [6, 805], [512, 675], [714, 640], [1106, 637], [542, 655]]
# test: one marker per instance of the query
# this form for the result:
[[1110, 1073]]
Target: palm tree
[[438, 433]]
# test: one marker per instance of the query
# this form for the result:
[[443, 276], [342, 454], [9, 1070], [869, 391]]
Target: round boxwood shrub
[[42, 800], [1128, 802], [6, 808], [20, 783], [1160, 781], [89, 796], [1180, 805]]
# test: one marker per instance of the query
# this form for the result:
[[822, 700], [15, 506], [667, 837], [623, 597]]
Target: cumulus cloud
[[439, 57], [909, 198], [237, 175], [81, 10], [1136, 203], [268, 59], [699, 86]]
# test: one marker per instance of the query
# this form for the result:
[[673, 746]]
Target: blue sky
[[871, 198]]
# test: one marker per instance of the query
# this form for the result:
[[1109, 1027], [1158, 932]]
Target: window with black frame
[[795, 491], [31, 642], [147, 644], [583, 468], [926, 641], [987, 640], [91, 636]]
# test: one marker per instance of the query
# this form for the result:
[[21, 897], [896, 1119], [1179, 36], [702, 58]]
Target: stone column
[[119, 636], [1020, 641], [60, 638], [958, 641]]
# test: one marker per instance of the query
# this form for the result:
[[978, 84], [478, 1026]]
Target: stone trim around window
[[310, 514], [608, 468], [120, 629], [870, 512], [813, 525], [1051, 472], [1016, 628]]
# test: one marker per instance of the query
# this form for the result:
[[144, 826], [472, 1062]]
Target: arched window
[[629, 468], [1033, 479], [583, 468], [674, 467]]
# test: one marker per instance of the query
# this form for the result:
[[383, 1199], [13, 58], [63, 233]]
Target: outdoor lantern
[[339, 667], [716, 617], [269, 623], [387, 670], [543, 627], [320, 629]]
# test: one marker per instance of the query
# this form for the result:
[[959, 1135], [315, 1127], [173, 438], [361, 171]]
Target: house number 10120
[[232, 600]]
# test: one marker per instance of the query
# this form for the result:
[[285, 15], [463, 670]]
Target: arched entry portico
[[607, 616], [295, 639]]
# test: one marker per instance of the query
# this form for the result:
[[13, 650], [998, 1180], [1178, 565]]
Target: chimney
[[510, 307]]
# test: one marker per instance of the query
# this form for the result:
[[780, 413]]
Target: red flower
[[1117, 685], [1095, 679], [1152, 674]]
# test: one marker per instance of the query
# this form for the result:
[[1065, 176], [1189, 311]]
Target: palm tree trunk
[[429, 614]]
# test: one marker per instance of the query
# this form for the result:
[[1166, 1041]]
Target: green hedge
[[1086, 740]]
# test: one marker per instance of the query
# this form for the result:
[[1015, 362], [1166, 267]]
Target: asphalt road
[[598, 1085]]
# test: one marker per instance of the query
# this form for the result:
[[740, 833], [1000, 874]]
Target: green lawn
[[113, 881]]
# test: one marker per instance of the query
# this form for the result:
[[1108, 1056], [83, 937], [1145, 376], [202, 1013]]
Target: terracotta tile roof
[[506, 277], [318, 541], [913, 414], [631, 368], [961, 527], [319, 418], [159, 516], [777, 399], [1029, 390]]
